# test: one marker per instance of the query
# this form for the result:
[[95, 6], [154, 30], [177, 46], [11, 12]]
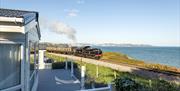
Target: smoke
[[59, 28]]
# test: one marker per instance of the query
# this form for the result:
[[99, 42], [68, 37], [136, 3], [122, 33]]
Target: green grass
[[121, 58], [55, 58], [107, 75]]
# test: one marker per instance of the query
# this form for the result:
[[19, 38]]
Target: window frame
[[22, 46], [34, 75]]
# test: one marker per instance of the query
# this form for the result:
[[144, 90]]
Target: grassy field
[[121, 58], [107, 75]]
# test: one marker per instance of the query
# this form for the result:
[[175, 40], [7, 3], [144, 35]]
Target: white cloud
[[72, 12], [80, 1]]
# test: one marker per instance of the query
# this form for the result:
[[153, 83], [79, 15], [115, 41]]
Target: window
[[32, 57], [33, 62], [10, 65]]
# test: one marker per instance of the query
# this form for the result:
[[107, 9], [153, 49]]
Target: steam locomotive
[[86, 51]]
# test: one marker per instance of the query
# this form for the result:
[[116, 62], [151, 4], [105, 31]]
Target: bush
[[126, 84], [163, 85], [61, 65], [58, 65]]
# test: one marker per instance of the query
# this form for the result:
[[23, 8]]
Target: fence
[[108, 88], [83, 78]]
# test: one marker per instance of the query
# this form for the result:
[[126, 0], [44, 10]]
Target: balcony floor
[[57, 80]]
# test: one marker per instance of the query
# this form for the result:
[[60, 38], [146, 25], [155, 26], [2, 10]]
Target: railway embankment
[[125, 68]]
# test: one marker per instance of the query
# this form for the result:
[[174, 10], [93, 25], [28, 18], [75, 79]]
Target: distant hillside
[[47, 44], [125, 45]]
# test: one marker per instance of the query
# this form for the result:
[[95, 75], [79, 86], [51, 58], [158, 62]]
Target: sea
[[161, 55]]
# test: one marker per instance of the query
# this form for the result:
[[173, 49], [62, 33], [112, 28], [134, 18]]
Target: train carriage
[[85, 51]]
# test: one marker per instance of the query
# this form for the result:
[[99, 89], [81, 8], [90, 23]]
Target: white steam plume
[[60, 28]]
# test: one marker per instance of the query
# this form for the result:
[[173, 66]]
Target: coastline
[[115, 57], [169, 56]]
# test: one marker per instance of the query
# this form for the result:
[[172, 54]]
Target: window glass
[[10, 65], [32, 52], [33, 62], [37, 57]]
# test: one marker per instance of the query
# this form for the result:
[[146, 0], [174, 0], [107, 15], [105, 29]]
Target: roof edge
[[11, 19]]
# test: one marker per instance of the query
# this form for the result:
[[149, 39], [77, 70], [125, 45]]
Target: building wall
[[14, 37], [28, 39]]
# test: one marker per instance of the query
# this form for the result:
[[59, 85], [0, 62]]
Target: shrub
[[58, 65], [126, 84], [162, 85], [61, 65]]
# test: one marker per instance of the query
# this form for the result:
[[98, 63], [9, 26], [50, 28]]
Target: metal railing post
[[110, 86], [83, 70], [72, 69], [66, 65], [97, 71]]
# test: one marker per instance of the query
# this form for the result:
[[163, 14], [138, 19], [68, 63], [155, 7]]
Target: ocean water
[[162, 55]]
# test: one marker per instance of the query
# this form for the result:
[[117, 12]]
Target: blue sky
[[155, 22]]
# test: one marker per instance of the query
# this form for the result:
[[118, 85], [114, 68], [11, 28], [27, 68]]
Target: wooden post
[[115, 74], [150, 83], [83, 70], [81, 60], [97, 71]]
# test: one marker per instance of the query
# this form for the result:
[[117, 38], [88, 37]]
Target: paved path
[[124, 68], [57, 80]]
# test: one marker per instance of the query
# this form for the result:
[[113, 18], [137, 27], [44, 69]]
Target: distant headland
[[102, 44]]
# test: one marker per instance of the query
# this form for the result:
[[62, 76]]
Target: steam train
[[86, 51]]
